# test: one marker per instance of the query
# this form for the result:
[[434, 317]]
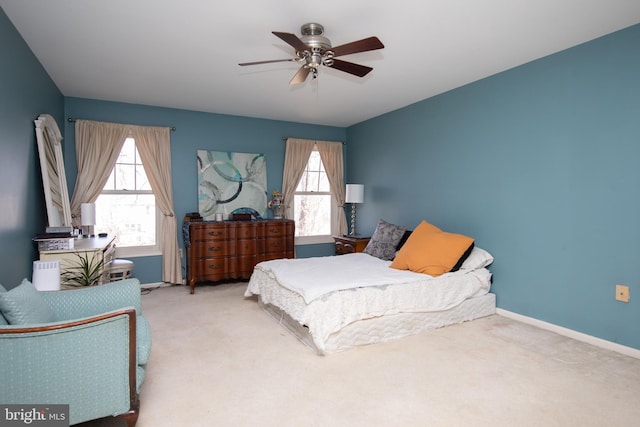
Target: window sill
[[135, 252], [313, 240]]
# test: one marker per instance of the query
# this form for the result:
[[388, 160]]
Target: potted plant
[[86, 271]]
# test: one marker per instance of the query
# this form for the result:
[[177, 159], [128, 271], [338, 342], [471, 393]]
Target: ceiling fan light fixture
[[314, 60], [315, 50]]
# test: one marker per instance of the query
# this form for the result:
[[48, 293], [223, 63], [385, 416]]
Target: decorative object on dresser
[[354, 195], [54, 241], [349, 245], [228, 250], [276, 204]]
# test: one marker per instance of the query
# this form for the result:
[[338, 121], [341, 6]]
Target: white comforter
[[377, 290], [314, 277]]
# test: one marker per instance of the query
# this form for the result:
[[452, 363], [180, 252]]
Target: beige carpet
[[219, 360]]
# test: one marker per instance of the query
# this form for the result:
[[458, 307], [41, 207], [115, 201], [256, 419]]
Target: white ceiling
[[185, 54]]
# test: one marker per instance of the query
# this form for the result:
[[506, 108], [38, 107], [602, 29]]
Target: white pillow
[[478, 258]]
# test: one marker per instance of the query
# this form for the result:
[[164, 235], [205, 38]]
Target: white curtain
[[154, 146], [296, 157], [332, 159], [98, 145]]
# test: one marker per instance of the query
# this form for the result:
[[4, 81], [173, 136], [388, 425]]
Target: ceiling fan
[[314, 50]]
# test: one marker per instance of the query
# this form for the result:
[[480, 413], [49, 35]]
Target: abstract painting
[[231, 183]]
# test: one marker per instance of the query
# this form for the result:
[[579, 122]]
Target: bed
[[337, 303]]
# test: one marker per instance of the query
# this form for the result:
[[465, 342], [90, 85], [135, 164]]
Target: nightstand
[[350, 244]]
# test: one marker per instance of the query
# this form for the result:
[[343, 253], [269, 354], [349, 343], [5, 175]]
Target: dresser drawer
[[275, 229], [275, 244], [215, 269], [245, 265], [200, 232], [246, 247], [214, 249], [246, 230]]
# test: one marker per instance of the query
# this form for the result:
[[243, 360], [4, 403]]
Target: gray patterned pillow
[[384, 240]]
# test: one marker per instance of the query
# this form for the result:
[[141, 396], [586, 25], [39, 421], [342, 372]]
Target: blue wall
[[197, 131], [540, 165], [26, 91]]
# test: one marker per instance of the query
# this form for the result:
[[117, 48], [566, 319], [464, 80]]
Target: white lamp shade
[[88, 213], [46, 275], [355, 193]]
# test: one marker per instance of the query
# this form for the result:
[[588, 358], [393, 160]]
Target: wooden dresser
[[228, 250]]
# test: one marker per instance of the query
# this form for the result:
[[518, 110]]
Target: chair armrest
[[94, 300], [89, 363]]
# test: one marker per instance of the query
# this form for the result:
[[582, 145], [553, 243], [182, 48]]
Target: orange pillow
[[432, 251]]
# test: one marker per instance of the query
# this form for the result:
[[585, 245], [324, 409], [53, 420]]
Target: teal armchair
[[93, 356]]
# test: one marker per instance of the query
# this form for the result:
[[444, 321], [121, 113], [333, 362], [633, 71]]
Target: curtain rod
[[284, 138], [72, 120]]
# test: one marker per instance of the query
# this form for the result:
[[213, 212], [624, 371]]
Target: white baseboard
[[579, 336]]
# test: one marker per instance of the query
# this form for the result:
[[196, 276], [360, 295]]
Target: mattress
[[345, 318], [385, 328]]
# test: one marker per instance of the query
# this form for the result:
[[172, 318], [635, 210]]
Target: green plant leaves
[[86, 271]]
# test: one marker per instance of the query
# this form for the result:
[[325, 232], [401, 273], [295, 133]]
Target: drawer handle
[[213, 267], [215, 248], [215, 233]]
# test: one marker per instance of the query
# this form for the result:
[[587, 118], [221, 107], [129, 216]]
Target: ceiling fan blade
[[364, 45], [292, 40], [300, 76], [268, 62], [351, 68]]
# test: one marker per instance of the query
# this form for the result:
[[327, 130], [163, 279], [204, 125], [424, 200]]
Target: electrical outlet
[[622, 293], [180, 250]]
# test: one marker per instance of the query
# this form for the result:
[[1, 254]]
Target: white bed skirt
[[389, 327]]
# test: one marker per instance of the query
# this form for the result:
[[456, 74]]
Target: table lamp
[[88, 218], [354, 195]]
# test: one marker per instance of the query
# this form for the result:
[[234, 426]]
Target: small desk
[[101, 247], [350, 244]]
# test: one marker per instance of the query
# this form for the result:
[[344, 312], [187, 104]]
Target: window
[[313, 204], [126, 206]]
